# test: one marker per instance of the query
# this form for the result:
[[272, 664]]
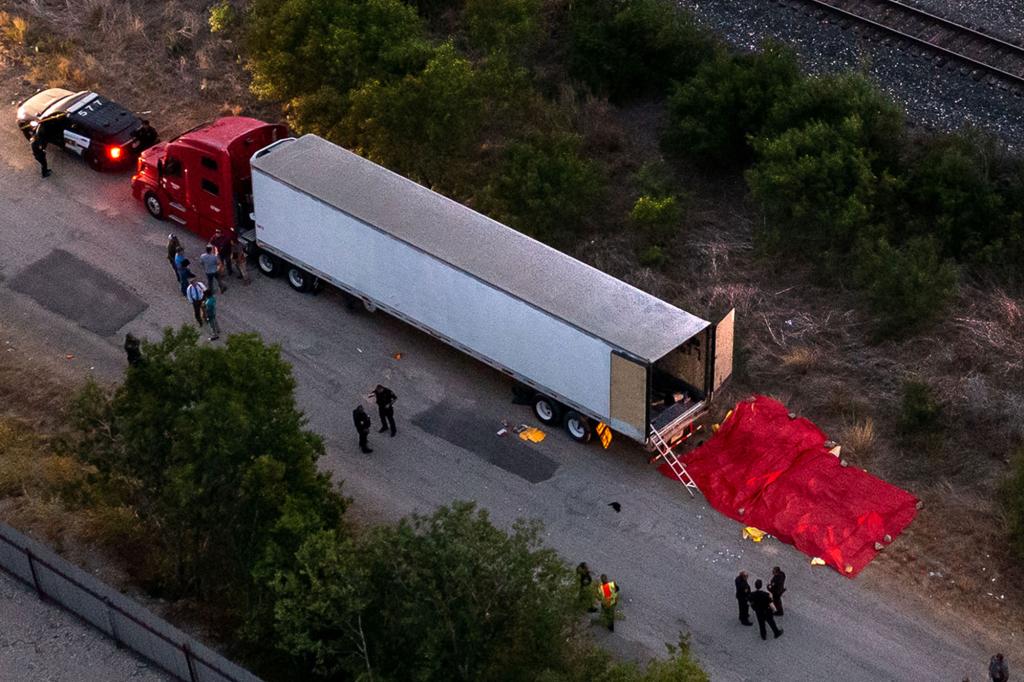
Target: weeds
[[860, 437]]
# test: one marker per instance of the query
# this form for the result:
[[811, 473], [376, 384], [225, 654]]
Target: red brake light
[[114, 153]]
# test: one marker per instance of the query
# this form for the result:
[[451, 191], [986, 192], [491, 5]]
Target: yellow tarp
[[532, 434]]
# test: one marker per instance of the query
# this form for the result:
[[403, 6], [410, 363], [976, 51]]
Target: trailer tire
[[154, 206], [268, 263], [300, 280], [578, 426], [546, 409]]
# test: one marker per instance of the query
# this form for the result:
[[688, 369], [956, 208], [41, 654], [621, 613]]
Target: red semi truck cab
[[201, 179]]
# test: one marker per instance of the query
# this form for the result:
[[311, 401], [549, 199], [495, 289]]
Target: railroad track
[[983, 53]]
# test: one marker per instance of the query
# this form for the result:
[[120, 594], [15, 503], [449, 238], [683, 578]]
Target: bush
[[628, 49], [835, 99], [906, 288], [423, 125], [310, 54], [1013, 500], [653, 256], [920, 411], [658, 218], [544, 187], [816, 186], [514, 27], [222, 16], [713, 115]]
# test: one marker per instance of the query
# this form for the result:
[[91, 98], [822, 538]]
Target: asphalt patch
[[466, 430], [67, 285]]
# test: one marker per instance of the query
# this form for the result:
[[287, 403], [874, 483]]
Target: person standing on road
[[194, 294], [210, 312], [185, 275], [761, 602], [586, 596], [385, 399], [223, 244], [743, 597], [132, 348], [362, 421], [39, 150], [609, 594], [998, 671], [211, 267], [776, 587], [238, 255], [173, 247]]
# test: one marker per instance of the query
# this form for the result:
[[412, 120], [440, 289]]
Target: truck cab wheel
[[578, 426], [154, 205], [268, 264], [300, 280], [546, 409]]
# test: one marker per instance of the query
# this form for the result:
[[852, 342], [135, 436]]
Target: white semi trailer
[[589, 347]]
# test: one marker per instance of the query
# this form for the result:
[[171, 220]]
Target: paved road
[[81, 264], [43, 642]]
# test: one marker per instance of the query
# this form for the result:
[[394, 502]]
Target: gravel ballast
[[1001, 18], [935, 94]]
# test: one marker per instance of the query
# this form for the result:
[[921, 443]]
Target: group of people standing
[[385, 399], [766, 605], [222, 257], [605, 593]]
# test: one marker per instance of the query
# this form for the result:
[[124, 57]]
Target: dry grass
[[800, 359], [859, 438]]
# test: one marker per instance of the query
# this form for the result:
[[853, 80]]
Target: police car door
[[75, 139]]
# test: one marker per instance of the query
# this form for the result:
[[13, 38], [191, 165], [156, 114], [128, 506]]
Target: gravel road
[[40, 641], [673, 556], [944, 97]]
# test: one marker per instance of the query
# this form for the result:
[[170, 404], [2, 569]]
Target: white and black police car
[[101, 131]]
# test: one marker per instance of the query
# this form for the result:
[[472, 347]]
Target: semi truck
[[586, 350]]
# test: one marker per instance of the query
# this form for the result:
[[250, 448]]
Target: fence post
[[35, 576], [189, 662], [112, 623]]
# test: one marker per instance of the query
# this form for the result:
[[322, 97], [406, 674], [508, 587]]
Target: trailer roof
[[562, 286]]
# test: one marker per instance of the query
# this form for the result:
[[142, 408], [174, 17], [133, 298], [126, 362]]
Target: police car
[[102, 132]]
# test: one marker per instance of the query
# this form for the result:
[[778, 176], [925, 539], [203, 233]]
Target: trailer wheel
[[268, 264], [546, 409], [154, 205], [578, 426], [300, 280]]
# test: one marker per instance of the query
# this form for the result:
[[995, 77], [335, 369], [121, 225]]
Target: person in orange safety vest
[[608, 591]]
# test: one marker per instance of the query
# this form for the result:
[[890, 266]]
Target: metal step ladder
[[678, 468]]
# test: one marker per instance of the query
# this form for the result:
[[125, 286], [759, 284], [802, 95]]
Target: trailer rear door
[[628, 395], [723, 349]]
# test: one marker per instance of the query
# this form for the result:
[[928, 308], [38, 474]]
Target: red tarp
[[778, 471]]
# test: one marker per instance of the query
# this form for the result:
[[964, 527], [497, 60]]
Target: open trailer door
[[723, 345]]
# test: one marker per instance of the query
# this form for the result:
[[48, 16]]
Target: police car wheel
[[268, 264], [578, 427], [154, 205], [299, 279], [546, 409], [94, 160]]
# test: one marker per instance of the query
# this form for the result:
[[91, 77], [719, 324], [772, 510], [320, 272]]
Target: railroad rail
[[982, 52]]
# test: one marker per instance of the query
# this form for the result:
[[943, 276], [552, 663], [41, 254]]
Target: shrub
[[920, 411], [544, 187], [629, 49], [713, 115], [653, 256], [658, 218], [514, 27], [906, 288], [816, 186], [222, 16], [1013, 500]]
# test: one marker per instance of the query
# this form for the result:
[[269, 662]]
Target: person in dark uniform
[[362, 421], [743, 597], [586, 591], [776, 586], [39, 150], [133, 348], [385, 398], [146, 135], [761, 602]]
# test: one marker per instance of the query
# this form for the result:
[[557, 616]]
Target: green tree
[[906, 288], [834, 99], [513, 27], [629, 49], [713, 115], [424, 125], [544, 187], [442, 597], [310, 54], [658, 218], [816, 186], [207, 445]]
